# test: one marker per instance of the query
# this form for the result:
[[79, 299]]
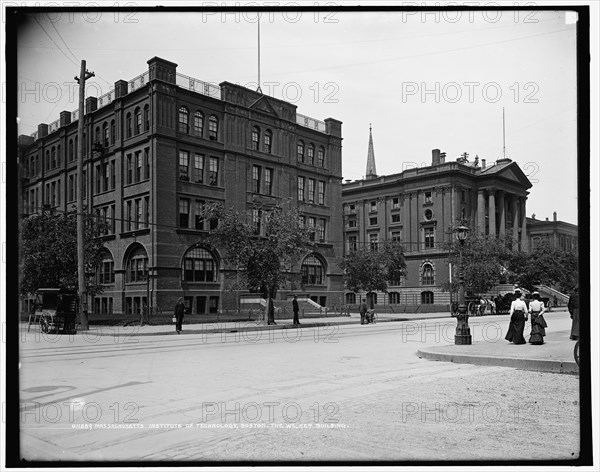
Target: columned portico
[[481, 211], [492, 211], [502, 213], [515, 215], [524, 242]]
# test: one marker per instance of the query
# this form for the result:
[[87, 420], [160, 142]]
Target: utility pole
[[83, 302]]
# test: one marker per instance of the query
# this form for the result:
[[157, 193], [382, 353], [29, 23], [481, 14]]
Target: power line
[[64, 42], [50, 37]]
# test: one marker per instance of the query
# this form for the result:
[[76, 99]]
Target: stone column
[[481, 211], [524, 237], [502, 213], [492, 212], [515, 214]]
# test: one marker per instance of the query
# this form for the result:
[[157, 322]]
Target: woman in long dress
[[518, 315], [538, 323]]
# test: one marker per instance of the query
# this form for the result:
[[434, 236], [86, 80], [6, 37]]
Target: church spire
[[371, 170]]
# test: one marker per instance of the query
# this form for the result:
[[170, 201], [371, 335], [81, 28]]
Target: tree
[[48, 252], [264, 257], [370, 268]]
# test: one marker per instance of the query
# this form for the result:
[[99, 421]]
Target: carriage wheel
[[46, 322], [576, 352]]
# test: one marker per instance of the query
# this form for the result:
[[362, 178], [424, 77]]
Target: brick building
[[419, 206], [560, 234], [159, 146]]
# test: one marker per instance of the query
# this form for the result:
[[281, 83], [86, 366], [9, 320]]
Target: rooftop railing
[[198, 86], [311, 123]]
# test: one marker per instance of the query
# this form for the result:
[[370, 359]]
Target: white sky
[[358, 67]]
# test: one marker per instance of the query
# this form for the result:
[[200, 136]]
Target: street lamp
[[463, 332]]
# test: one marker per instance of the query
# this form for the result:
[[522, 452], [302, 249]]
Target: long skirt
[[538, 329], [516, 327], [575, 324]]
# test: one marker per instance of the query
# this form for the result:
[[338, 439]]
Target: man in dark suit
[[573, 307], [179, 311], [295, 309]]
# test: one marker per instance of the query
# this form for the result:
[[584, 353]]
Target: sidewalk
[[555, 355]]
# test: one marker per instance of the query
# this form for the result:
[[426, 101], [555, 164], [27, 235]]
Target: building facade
[[157, 148], [560, 234], [420, 206]]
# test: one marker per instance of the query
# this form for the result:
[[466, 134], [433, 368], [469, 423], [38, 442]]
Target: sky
[[421, 80]]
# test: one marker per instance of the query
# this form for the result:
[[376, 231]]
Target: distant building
[[559, 234], [159, 146], [420, 206]]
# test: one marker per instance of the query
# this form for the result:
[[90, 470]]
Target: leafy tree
[[265, 259], [48, 252], [370, 268]]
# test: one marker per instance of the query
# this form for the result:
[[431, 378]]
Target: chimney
[[120, 88], [65, 118], [442, 157], [42, 130], [91, 104], [483, 163], [435, 157], [554, 215], [162, 69], [547, 219]]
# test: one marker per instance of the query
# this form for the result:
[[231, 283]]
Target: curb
[[539, 365]]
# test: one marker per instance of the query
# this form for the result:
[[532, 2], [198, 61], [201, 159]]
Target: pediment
[[263, 104], [514, 173]]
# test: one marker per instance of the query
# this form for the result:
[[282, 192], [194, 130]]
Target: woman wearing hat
[[538, 323], [518, 316]]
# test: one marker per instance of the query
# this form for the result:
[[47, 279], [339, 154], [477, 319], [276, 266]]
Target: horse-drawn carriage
[[55, 310]]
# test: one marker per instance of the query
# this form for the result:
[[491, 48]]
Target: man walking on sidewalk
[[295, 309], [179, 311]]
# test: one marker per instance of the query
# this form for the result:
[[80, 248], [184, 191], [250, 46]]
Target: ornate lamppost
[[463, 332]]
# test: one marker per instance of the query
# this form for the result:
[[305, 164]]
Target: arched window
[[198, 123], [113, 132], [427, 275], [47, 163], [129, 126], [268, 141], [312, 271], [350, 298], [71, 154], [213, 128], [146, 117], [53, 157], [137, 265], [184, 115], [199, 265], [106, 270], [321, 157], [394, 298], [310, 154], [300, 151], [97, 137], [58, 155], [427, 298], [138, 120], [255, 137], [105, 137]]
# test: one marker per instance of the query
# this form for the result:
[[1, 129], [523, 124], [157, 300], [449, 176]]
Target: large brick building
[[420, 206], [159, 146]]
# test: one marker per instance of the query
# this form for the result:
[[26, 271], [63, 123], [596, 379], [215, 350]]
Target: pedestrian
[[518, 315], [179, 312], [481, 307], [270, 312], [555, 302], [295, 309], [573, 307], [538, 323], [492, 306], [362, 310]]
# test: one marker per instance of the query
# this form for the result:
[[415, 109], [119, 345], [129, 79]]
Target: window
[[129, 125], [269, 181], [374, 241], [312, 271], [428, 199], [311, 190], [183, 120], [321, 157], [97, 138], [427, 277], [300, 151], [396, 235], [199, 217], [394, 298], [137, 265], [256, 220], [268, 141], [184, 158], [106, 273], [395, 203], [184, 212], [138, 166], [428, 214], [138, 120], [113, 132], [71, 192], [213, 128], [321, 193], [198, 266], [70, 153], [427, 298], [129, 168], [146, 117], [395, 218], [350, 298], [146, 163], [352, 223], [198, 168], [139, 213], [105, 135], [373, 221], [213, 171], [106, 172], [53, 157], [198, 123], [255, 138], [352, 243], [429, 238], [311, 226], [256, 179], [310, 155], [463, 196], [98, 178], [213, 304], [301, 181], [374, 205], [321, 229]]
